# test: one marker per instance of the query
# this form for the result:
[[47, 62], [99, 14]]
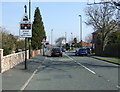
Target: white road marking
[[25, 85], [28, 81], [81, 64], [87, 68], [118, 86]]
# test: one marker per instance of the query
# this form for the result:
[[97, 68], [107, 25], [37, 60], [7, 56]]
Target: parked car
[[56, 52], [81, 51], [89, 49], [63, 50]]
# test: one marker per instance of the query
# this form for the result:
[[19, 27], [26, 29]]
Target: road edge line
[[28, 81]]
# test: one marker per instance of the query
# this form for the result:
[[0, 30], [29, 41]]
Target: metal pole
[[29, 39], [29, 9], [25, 53], [71, 40], [80, 30], [51, 37], [25, 43]]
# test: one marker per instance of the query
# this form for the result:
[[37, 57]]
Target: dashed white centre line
[[81, 65]]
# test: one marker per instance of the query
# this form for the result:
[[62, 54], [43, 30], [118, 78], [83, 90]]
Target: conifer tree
[[38, 31]]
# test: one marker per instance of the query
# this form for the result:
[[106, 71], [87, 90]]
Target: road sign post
[[25, 31]]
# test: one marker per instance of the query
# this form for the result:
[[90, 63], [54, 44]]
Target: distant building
[[85, 44]]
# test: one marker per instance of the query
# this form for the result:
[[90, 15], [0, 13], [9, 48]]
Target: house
[[85, 44], [96, 46]]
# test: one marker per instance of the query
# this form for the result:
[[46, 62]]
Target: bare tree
[[59, 41], [101, 18], [88, 38]]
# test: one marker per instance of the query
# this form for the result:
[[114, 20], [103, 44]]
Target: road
[[72, 72]]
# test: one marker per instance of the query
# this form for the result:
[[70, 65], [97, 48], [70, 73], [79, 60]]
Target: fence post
[[1, 57]]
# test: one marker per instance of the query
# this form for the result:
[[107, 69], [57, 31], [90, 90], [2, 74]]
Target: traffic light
[[25, 26]]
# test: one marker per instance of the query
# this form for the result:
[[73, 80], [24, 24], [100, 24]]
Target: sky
[[60, 16]]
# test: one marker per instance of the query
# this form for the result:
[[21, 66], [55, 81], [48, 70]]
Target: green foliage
[[112, 50], [114, 37], [8, 43], [113, 44], [20, 45], [38, 32]]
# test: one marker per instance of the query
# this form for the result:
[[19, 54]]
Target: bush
[[113, 44], [112, 50]]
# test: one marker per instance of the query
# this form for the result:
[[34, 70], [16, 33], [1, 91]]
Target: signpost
[[25, 27], [25, 31]]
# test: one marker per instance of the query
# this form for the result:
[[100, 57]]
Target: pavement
[[15, 78]]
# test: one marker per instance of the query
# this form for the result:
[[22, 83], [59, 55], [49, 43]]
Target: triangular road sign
[[25, 18]]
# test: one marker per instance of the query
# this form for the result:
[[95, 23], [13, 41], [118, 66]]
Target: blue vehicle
[[81, 51]]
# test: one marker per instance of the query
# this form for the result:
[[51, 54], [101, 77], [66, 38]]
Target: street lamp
[[29, 39], [80, 29], [51, 36]]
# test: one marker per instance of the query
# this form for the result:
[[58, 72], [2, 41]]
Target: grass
[[114, 61], [115, 57]]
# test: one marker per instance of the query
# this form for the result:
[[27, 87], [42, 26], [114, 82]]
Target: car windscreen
[[55, 49]]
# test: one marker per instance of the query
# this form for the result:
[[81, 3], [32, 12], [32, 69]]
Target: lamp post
[[80, 30], [29, 39], [51, 36]]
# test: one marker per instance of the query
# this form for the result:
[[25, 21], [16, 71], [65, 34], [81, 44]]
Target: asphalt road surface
[[72, 72]]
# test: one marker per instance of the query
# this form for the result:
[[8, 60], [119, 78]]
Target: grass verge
[[113, 61]]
